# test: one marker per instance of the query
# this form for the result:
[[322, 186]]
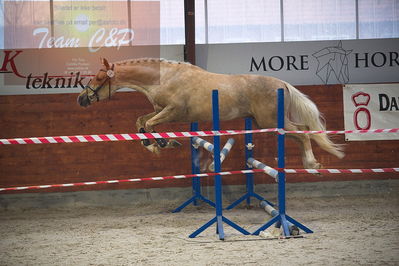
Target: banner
[[371, 106], [56, 46], [69, 24], [307, 63]]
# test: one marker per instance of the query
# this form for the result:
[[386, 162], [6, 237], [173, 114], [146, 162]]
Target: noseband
[[110, 74]]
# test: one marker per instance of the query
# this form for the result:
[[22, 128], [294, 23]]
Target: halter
[[110, 74]]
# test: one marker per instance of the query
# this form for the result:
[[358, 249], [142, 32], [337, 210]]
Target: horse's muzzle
[[83, 100]]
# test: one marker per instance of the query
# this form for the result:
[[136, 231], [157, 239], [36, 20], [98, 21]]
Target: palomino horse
[[181, 92]]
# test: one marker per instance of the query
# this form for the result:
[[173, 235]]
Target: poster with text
[[371, 106], [56, 46]]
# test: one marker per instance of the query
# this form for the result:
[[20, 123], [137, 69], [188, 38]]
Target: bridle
[[110, 74]]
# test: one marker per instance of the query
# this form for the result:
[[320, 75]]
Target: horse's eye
[[91, 96]]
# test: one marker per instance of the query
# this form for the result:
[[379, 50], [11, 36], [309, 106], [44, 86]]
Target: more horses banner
[[307, 63], [369, 106]]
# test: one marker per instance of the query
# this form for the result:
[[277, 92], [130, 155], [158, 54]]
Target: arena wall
[[59, 114]]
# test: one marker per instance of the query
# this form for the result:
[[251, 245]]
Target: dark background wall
[[59, 114]]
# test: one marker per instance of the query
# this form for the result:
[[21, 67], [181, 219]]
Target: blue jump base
[[280, 218], [196, 181], [250, 176], [219, 219]]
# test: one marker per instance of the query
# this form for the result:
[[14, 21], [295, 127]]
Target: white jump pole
[[294, 231], [264, 204], [259, 165], [209, 147]]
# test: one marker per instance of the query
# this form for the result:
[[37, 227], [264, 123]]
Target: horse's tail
[[303, 112]]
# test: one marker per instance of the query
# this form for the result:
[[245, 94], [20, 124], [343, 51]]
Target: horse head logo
[[333, 59]]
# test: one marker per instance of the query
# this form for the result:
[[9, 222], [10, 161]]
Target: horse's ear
[[105, 63]]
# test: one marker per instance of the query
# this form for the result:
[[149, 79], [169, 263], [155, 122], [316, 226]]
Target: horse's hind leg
[[308, 159], [264, 118]]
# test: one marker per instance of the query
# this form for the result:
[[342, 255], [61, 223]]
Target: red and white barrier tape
[[288, 171], [341, 171], [122, 137], [141, 136], [158, 178], [362, 131]]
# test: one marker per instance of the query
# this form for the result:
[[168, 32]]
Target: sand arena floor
[[349, 230]]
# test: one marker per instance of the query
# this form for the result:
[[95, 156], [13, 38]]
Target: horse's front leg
[[140, 124], [168, 114]]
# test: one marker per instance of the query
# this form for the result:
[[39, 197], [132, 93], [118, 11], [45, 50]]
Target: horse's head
[[99, 87]]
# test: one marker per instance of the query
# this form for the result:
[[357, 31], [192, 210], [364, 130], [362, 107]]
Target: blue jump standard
[[196, 181], [250, 176], [281, 218], [219, 218]]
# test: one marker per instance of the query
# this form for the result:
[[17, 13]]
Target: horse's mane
[[149, 60]]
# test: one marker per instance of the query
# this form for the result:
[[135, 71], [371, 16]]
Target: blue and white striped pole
[[209, 147], [268, 170], [273, 212], [203, 143]]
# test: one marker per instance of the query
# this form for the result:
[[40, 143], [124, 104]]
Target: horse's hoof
[[162, 142], [312, 165], [174, 143], [146, 142], [317, 166], [154, 148]]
